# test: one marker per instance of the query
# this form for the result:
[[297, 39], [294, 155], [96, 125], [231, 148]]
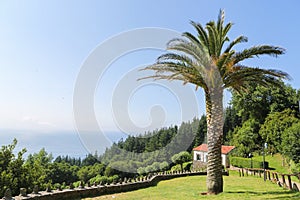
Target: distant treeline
[[156, 146]]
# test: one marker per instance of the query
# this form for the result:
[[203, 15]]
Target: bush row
[[247, 163], [104, 179]]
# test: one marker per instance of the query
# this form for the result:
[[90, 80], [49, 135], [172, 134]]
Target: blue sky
[[43, 45]]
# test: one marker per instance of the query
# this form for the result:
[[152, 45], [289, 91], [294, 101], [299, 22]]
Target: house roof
[[203, 147]]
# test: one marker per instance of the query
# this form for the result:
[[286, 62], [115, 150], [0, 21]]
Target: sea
[[58, 143]]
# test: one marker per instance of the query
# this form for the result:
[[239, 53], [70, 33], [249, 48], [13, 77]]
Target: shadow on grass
[[279, 194]]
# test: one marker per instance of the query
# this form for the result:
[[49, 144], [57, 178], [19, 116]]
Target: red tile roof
[[225, 149]]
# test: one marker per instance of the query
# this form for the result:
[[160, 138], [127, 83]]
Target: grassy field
[[235, 187], [275, 163]]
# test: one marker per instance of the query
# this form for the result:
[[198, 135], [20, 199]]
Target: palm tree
[[204, 61]]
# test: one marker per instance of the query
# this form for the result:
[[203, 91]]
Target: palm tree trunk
[[214, 112]]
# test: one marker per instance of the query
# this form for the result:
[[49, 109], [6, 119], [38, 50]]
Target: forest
[[263, 115]]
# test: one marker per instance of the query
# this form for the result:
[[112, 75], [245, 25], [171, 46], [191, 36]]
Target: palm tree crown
[[198, 54]]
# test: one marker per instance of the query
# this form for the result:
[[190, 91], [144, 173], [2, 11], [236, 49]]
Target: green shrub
[[246, 163], [99, 179], [141, 171], [186, 167], [296, 169], [113, 179], [163, 166], [77, 184], [149, 169], [176, 168], [57, 186]]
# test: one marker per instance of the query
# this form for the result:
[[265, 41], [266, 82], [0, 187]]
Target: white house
[[200, 154]]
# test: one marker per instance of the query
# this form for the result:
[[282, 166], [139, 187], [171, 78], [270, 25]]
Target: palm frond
[[220, 20], [199, 54], [245, 75], [226, 29], [238, 40], [202, 35], [212, 39], [173, 56], [176, 71], [192, 38], [257, 51]]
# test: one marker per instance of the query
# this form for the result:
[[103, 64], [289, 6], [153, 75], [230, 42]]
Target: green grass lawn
[[275, 163], [235, 187]]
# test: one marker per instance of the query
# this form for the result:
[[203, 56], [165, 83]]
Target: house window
[[198, 157]]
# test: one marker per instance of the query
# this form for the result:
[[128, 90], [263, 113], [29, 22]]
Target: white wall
[[202, 156]]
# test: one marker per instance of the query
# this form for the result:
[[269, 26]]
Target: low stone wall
[[99, 190]]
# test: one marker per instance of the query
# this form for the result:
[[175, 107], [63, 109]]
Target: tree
[[90, 160], [63, 172], [247, 138], [40, 168], [181, 158], [231, 121], [273, 128], [201, 132], [13, 174], [290, 143], [203, 60], [260, 101]]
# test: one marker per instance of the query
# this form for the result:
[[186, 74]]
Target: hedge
[[246, 163]]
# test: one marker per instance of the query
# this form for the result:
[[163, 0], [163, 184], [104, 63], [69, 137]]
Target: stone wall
[[99, 190]]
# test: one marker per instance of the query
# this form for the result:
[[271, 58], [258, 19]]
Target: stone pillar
[[283, 180], [120, 181], [7, 195], [295, 187], [23, 192], [290, 182], [81, 185], [35, 189], [48, 188], [276, 175], [71, 186], [269, 175]]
